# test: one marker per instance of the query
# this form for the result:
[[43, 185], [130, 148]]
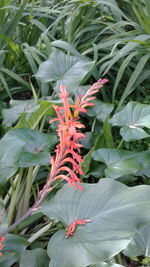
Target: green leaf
[[13, 247], [133, 118], [130, 46], [64, 70], [121, 162], [66, 46], [87, 158], [145, 171], [11, 149], [136, 73], [23, 148], [17, 107], [100, 110], [108, 134], [32, 118], [35, 151], [16, 77], [140, 244], [116, 213], [34, 258], [104, 264], [3, 217]]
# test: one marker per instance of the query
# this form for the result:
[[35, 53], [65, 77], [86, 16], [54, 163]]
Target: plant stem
[[42, 123], [14, 198], [118, 259], [120, 144], [28, 212], [28, 190], [7, 197], [40, 232]]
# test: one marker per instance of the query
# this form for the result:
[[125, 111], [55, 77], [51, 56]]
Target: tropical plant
[[79, 197]]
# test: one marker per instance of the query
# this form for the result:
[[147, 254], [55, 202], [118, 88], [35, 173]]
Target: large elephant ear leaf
[[14, 246], [64, 69], [11, 149], [133, 118], [116, 213], [105, 264], [34, 258], [121, 162], [100, 110], [35, 151], [140, 244], [11, 115]]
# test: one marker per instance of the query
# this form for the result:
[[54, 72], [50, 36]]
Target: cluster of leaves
[[45, 44]]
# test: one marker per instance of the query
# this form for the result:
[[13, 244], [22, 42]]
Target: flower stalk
[[65, 165]]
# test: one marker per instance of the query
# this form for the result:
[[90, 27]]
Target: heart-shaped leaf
[[100, 110], [10, 115], [35, 151], [32, 118], [121, 162], [23, 148], [104, 264], [133, 118], [34, 258], [14, 245], [64, 69], [140, 244], [116, 213], [11, 149]]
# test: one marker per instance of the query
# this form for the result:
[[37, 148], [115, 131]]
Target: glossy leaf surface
[[34, 258], [100, 110], [64, 69], [11, 149], [132, 119], [116, 213], [13, 247], [140, 244], [121, 162]]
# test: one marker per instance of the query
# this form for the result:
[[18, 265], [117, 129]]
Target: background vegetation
[[47, 43]]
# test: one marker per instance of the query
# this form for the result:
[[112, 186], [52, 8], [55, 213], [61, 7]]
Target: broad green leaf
[[10, 115], [36, 147], [133, 118], [66, 46], [34, 258], [14, 245], [104, 264], [32, 118], [23, 148], [140, 244], [87, 158], [64, 70], [100, 110], [11, 149], [145, 171], [116, 212], [121, 162]]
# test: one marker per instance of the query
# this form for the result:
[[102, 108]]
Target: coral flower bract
[[68, 149]]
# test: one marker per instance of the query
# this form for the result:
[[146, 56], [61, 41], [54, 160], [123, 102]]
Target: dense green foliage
[[45, 44]]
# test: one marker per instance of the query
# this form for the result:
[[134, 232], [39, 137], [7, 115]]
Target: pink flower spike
[[72, 227], [102, 81], [75, 166], [68, 149], [69, 180]]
